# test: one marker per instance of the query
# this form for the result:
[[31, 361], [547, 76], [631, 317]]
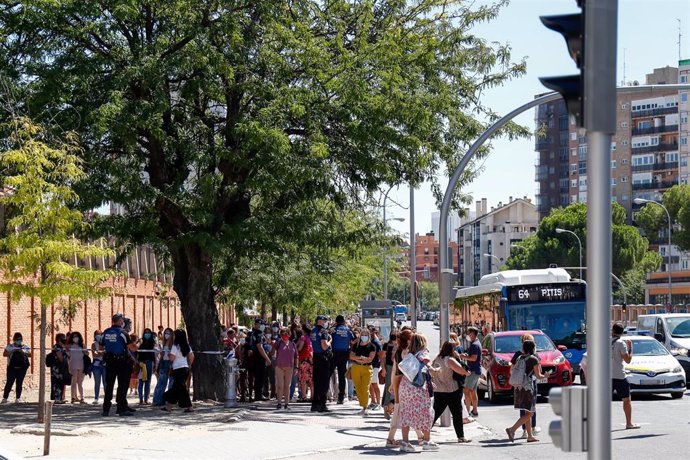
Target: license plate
[[651, 382], [545, 380]]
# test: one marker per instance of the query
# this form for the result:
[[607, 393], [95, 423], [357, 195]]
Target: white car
[[653, 369]]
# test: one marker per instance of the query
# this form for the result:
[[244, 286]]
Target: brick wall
[[134, 298]]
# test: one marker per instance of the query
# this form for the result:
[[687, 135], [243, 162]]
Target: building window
[[613, 164], [683, 78], [624, 124], [624, 142], [624, 178], [573, 136], [573, 183], [624, 161], [671, 157], [624, 107], [684, 97], [684, 140]]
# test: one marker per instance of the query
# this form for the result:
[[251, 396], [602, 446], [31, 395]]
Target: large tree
[[216, 124], [630, 249]]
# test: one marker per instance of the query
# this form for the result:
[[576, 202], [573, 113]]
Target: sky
[[647, 37]]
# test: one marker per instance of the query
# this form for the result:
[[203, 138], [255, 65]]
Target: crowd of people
[[303, 363]]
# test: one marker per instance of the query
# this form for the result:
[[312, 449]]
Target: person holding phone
[[621, 353]]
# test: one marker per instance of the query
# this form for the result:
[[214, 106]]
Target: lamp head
[[560, 230]]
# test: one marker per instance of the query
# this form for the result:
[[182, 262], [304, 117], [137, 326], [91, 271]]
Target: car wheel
[[490, 393], [677, 395], [583, 379]]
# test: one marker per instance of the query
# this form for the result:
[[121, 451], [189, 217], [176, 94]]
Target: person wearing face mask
[[342, 342], [362, 355], [115, 340], [17, 355], [98, 366], [286, 363], [270, 382], [323, 359], [259, 359], [76, 352], [146, 358], [163, 369]]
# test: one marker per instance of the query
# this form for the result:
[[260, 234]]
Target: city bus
[[545, 299]]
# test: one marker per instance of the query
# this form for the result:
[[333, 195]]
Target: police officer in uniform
[[258, 358], [342, 341], [323, 363], [115, 340]]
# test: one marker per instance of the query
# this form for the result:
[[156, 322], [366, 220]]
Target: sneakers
[[286, 407], [4, 401], [95, 402], [363, 412], [474, 414], [536, 430], [429, 445], [371, 406], [18, 401], [524, 434], [407, 447], [464, 440], [279, 406]]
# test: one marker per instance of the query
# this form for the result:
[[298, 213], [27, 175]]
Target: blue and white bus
[[545, 299]]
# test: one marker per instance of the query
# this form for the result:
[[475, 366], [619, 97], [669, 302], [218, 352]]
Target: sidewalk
[[250, 431]]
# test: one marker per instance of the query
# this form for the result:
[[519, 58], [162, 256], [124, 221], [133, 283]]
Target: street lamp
[[494, 257], [385, 253], [579, 243], [668, 266]]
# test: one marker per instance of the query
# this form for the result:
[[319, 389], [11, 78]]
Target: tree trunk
[[41, 362], [262, 310], [274, 311], [193, 285]]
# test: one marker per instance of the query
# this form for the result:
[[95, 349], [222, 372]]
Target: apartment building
[[648, 151], [485, 243], [426, 254]]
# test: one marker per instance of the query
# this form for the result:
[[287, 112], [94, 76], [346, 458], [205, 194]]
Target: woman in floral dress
[[416, 411]]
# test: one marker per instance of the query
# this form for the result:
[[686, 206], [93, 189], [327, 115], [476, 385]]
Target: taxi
[[653, 369]]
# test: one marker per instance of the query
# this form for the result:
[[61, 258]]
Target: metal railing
[[654, 130], [656, 167], [654, 185], [652, 112], [655, 148]]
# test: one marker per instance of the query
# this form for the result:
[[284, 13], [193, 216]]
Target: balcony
[[654, 130], [653, 112], [656, 167], [654, 185], [655, 148]]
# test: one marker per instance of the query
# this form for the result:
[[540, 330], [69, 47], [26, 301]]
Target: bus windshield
[[563, 322]]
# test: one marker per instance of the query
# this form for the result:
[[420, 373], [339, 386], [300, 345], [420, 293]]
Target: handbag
[[410, 366], [460, 378]]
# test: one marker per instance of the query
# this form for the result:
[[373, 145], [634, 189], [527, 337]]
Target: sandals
[[392, 443], [532, 440], [511, 434], [634, 426]]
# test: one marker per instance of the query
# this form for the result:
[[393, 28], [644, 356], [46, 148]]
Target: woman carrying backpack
[[447, 388], [528, 370], [513, 360], [17, 356]]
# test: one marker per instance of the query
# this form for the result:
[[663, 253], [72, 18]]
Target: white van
[[673, 331]]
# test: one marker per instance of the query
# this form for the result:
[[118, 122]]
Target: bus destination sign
[[546, 292]]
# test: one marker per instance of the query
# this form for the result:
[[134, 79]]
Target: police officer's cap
[[322, 318], [340, 319], [259, 321], [118, 317]]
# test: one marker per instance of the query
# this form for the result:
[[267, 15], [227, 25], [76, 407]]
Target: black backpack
[[18, 360]]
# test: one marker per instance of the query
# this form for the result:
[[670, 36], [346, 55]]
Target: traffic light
[[571, 87], [569, 433]]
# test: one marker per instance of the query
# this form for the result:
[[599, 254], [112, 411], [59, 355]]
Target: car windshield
[[511, 343], [679, 327], [648, 348]]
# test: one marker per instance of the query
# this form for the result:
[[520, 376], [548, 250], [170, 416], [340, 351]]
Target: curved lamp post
[[670, 260], [579, 243]]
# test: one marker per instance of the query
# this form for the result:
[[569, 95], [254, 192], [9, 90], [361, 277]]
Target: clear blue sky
[[647, 31]]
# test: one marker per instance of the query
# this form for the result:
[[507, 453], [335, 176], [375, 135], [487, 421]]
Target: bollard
[[46, 429], [231, 394]]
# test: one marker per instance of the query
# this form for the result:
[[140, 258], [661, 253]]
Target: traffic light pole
[[601, 28]]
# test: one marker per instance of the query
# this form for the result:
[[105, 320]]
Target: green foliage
[[39, 245], [652, 218], [630, 249]]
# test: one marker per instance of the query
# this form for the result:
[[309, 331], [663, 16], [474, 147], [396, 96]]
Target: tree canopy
[[228, 128], [653, 220], [630, 249]]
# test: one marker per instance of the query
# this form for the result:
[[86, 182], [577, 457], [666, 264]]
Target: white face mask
[[364, 339], [275, 329]]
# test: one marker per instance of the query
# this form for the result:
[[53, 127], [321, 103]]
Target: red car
[[499, 348]]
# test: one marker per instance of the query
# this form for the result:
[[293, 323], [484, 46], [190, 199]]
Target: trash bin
[[233, 370]]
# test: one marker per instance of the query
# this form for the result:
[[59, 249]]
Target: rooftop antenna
[[680, 35], [624, 53]]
